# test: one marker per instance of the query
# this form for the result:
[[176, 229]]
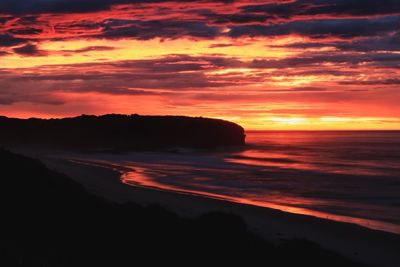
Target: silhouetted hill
[[121, 132], [49, 220]]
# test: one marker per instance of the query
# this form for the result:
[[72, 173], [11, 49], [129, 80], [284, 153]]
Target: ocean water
[[351, 176]]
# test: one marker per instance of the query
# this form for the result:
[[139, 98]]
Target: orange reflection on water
[[137, 177], [140, 176], [256, 158]]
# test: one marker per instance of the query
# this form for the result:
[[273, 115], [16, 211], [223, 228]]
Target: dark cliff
[[121, 132]]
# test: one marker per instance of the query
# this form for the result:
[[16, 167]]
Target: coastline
[[135, 176], [358, 243]]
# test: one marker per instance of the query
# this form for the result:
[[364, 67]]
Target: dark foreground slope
[[48, 220], [120, 132]]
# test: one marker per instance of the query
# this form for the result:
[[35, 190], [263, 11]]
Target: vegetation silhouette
[[49, 220], [120, 132]]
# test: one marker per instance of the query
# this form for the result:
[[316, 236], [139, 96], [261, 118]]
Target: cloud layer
[[271, 58]]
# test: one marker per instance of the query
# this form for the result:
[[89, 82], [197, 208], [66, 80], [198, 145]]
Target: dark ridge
[[49, 220], [121, 132]]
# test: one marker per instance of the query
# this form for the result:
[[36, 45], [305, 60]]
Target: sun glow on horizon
[[322, 123]]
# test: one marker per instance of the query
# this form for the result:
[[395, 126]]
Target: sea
[[348, 176]]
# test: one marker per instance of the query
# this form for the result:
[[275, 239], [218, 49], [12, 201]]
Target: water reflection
[[345, 176], [139, 176]]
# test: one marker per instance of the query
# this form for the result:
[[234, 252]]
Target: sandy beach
[[373, 247]]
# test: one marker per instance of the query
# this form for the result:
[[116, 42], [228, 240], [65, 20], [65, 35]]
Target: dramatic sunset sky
[[295, 64]]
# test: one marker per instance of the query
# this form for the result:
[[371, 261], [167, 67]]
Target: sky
[[290, 64]]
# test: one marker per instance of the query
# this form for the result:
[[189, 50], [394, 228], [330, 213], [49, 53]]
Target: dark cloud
[[285, 10], [147, 29], [386, 43], [354, 7], [70, 6], [389, 42], [8, 40], [25, 31], [134, 77], [4, 19], [14, 91], [317, 72], [29, 50], [90, 49], [144, 30], [308, 89], [250, 20], [30, 97], [305, 45], [344, 28], [381, 60], [57, 6], [28, 19], [220, 45], [372, 82], [236, 18], [327, 7], [181, 72]]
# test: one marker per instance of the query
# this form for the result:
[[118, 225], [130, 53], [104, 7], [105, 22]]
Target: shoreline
[[356, 242], [133, 177]]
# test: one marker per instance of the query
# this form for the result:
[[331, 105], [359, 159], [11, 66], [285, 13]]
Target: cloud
[[183, 73], [58, 6], [25, 31], [237, 18], [175, 73], [72, 6], [31, 97], [327, 7], [14, 91], [393, 81], [381, 43], [8, 40], [90, 49], [343, 28], [167, 28], [44, 20], [390, 42], [178, 83], [382, 60], [4, 19], [220, 45], [29, 50]]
